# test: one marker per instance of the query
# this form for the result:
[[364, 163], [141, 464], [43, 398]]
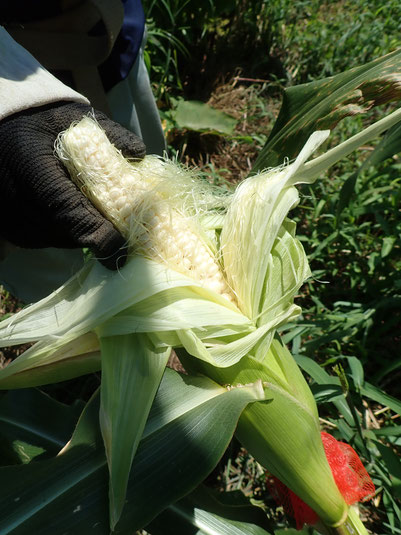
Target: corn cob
[[139, 200]]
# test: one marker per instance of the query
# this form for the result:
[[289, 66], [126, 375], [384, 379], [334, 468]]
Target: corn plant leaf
[[390, 431], [290, 531], [357, 373], [203, 512], [391, 460], [392, 463], [321, 377], [324, 103], [203, 522], [131, 373], [346, 192], [189, 427], [387, 147], [34, 426]]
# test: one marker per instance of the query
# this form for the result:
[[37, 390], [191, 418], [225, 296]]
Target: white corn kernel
[[130, 197]]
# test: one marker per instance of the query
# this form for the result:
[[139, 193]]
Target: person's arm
[[41, 207], [24, 83]]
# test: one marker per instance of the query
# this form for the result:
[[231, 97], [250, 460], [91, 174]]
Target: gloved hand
[[40, 205]]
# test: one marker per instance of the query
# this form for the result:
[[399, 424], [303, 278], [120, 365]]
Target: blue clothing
[[126, 48]]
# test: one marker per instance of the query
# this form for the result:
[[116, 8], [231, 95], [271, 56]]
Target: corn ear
[[151, 203], [228, 266], [284, 433]]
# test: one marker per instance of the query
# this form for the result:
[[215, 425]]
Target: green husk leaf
[[178, 308], [50, 361], [131, 373], [88, 299], [284, 433], [253, 223]]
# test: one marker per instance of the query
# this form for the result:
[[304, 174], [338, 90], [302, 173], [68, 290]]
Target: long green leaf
[[375, 393], [321, 377], [388, 146], [322, 104], [33, 424], [131, 373], [189, 427], [211, 523], [205, 513]]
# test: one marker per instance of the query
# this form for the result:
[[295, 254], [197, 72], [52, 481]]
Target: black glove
[[40, 205]]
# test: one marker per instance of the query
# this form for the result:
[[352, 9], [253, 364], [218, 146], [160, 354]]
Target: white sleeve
[[24, 83]]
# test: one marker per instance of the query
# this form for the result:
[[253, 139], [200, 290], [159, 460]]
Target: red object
[[292, 505], [350, 476]]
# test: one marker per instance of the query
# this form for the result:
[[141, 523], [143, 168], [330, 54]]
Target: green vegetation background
[[239, 57]]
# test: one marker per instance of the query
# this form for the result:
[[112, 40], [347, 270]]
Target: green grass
[[354, 249], [193, 45], [317, 39]]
